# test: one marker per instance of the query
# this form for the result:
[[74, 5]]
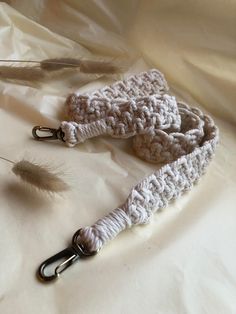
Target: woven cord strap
[[163, 130]]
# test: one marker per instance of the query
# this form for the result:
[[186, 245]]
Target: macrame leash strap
[[163, 130]]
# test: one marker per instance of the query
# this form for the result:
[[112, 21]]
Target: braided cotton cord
[[163, 130]]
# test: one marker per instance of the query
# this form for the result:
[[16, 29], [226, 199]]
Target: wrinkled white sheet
[[184, 261]]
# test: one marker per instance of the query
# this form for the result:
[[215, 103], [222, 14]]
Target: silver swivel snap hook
[[65, 258], [53, 134]]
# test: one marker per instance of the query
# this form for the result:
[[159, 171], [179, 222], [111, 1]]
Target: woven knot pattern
[[163, 130]]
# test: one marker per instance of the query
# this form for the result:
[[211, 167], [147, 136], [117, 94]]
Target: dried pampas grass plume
[[38, 176], [39, 69], [59, 63], [96, 67], [21, 73]]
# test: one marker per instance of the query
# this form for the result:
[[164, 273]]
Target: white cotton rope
[[163, 130]]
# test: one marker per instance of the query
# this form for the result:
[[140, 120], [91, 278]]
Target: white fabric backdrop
[[184, 261]]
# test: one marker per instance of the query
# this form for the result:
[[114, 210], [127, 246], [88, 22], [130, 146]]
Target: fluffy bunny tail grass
[[85, 66], [96, 67], [21, 73], [59, 63], [39, 176]]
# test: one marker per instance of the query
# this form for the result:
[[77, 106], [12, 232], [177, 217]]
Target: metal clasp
[[55, 134], [68, 255]]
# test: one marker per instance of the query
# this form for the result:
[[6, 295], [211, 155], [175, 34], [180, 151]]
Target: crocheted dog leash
[[163, 130]]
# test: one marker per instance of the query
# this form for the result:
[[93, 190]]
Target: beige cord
[[163, 130]]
